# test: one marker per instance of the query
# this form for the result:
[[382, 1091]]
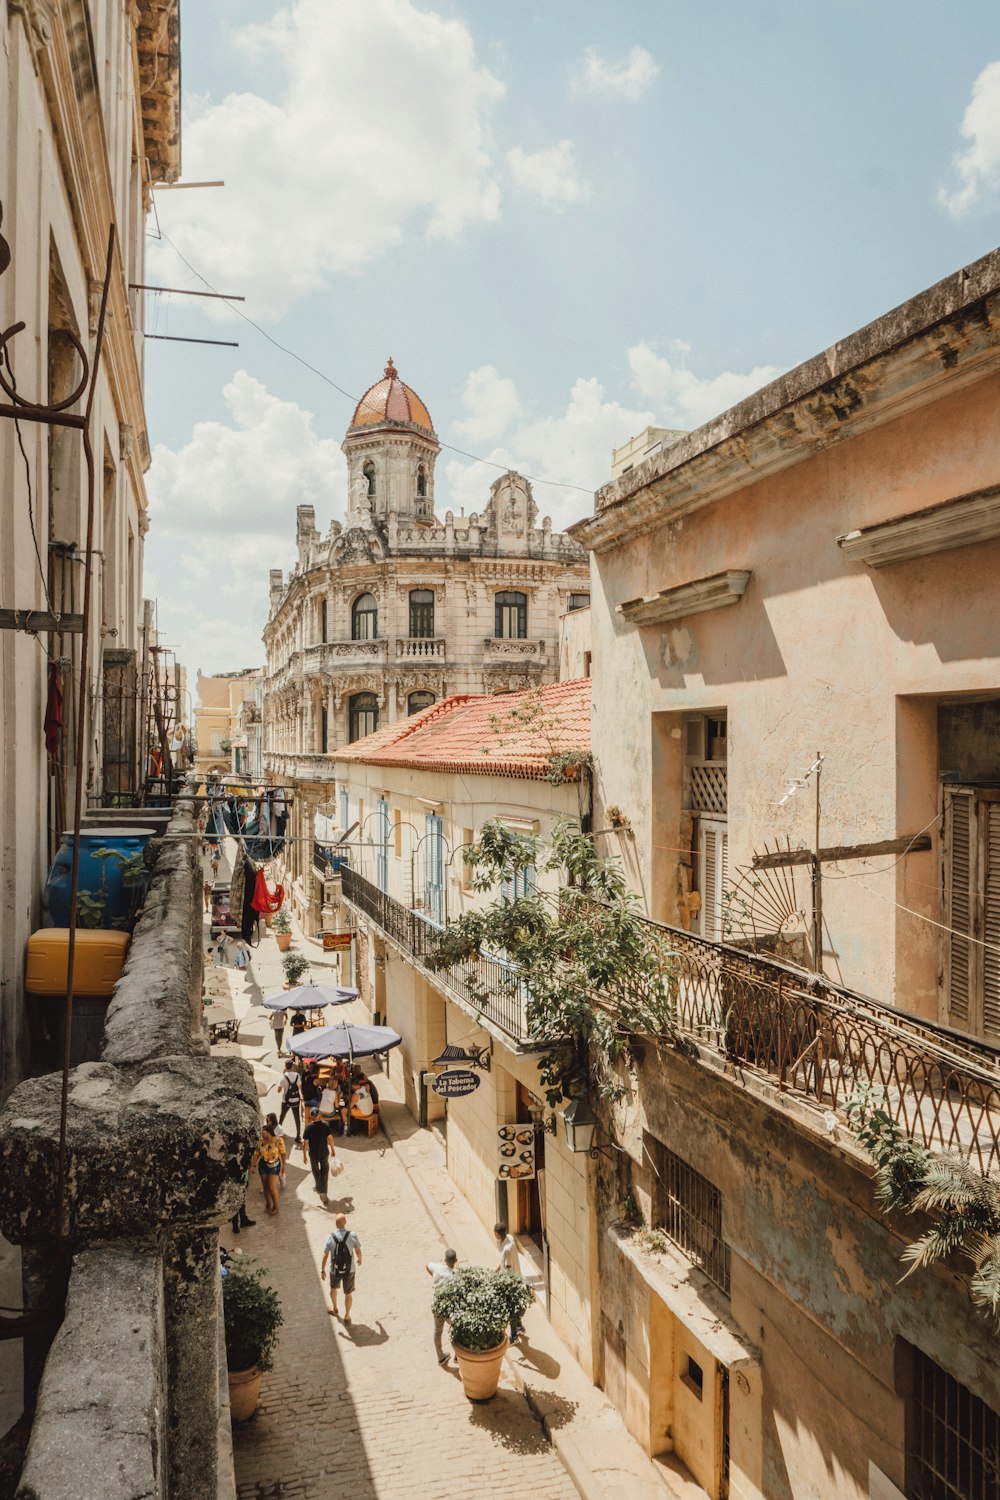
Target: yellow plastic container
[[97, 965]]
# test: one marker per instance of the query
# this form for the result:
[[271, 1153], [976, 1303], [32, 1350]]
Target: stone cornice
[[949, 333], [692, 598], [953, 523]]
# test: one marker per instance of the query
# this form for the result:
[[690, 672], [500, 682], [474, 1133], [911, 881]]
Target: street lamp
[[580, 1124]]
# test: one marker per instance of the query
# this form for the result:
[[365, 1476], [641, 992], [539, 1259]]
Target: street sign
[[516, 1152], [456, 1083], [337, 942]]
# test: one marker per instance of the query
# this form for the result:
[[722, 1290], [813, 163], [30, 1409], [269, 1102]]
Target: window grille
[[709, 790], [952, 1439], [688, 1208]]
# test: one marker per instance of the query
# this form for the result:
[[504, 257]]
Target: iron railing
[[488, 986], [824, 1042]]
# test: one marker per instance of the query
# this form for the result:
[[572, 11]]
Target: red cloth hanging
[[262, 899], [53, 722]]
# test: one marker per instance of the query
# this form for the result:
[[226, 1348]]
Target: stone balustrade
[[420, 648], [508, 650]]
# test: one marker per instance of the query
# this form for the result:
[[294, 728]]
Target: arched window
[[511, 616], [421, 481], [364, 618], [369, 472], [362, 716], [421, 612], [417, 702]]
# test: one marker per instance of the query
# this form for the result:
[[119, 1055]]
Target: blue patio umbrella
[[312, 997], [345, 1041]]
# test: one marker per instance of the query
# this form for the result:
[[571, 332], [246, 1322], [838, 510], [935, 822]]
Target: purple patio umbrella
[[312, 997], [345, 1041]]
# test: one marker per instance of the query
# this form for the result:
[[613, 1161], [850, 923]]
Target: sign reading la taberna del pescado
[[516, 1151], [456, 1083]]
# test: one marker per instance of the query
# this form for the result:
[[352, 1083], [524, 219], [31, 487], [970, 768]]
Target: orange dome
[[389, 400]]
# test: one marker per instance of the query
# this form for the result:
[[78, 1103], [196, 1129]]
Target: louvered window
[[713, 875], [972, 908]]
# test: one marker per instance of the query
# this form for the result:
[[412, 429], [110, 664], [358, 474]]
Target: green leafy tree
[[964, 1204], [478, 1305], [594, 971]]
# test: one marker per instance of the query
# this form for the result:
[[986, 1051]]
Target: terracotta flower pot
[[244, 1393], [268, 920], [283, 940], [480, 1372]]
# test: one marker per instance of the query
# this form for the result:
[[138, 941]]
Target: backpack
[[292, 1089], [341, 1253]]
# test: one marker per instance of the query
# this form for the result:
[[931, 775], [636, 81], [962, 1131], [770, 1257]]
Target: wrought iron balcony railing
[[487, 986], [822, 1042]]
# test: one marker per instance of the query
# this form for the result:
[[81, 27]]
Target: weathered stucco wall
[[822, 653], [815, 1293]]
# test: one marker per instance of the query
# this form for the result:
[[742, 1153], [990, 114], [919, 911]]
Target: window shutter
[[709, 908], [723, 882], [959, 848], [991, 924]]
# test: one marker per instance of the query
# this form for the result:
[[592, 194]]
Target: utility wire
[[558, 484]]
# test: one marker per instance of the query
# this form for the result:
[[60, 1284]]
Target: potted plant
[[294, 965], [478, 1305], [281, 926], [253, 1316]]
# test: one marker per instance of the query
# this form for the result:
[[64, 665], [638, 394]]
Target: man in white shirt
[[440, 1272], [508, 1261]]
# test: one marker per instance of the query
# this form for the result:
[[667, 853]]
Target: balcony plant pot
[[252, 1315], [478, 1305], [283, 940]]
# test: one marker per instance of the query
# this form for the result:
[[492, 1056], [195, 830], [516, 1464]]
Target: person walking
[[291, 1098], [508, 1261], [440, 1272], [317, 1149], [271, 1165], [344, 1246], [278, 1027]]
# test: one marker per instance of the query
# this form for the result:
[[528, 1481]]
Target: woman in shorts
[[271, 1165]]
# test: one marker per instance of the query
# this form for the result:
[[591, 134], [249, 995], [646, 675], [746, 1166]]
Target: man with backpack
[[291, 1097], [343, 1245]]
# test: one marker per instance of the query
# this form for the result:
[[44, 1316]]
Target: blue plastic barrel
[[113, 878]]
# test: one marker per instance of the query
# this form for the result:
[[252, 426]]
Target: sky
[[562, 221]]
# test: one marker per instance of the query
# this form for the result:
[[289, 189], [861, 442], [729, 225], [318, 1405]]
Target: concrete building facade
[[395, 609], [89, 121], [793, 621]]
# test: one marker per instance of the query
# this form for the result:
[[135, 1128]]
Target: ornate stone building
[[394, 609]]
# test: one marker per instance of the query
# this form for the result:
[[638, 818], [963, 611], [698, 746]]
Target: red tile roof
[[477, 736]]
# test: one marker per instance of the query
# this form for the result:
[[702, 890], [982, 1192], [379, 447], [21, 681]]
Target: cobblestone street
[[364, 1410]]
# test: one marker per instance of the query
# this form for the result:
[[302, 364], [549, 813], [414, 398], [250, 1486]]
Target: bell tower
[[391, 449]]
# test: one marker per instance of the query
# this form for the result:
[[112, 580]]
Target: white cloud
[[978, 167], [550, 174], [492, 403], [573, 447], [630, 79], [223, 513], [682, 398], [325, 175]]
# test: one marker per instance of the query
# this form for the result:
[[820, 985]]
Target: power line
[[558, 484]]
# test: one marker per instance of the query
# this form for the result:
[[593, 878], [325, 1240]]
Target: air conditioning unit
[[332, 891]]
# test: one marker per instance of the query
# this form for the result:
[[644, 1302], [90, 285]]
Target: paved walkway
[[366, 1408]]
